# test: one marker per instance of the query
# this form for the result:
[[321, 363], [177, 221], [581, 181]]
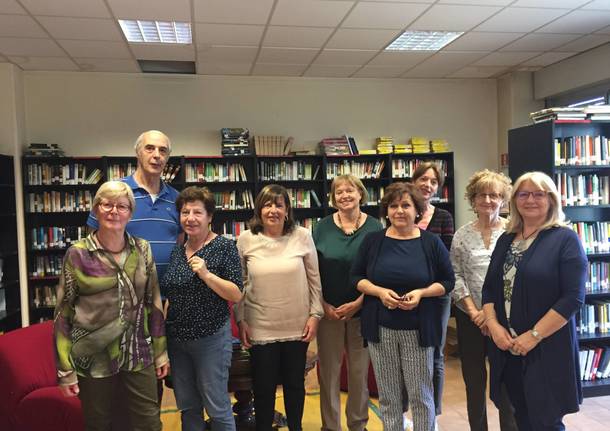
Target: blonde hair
[[555, 216], [487, 180], [352, 180], [113, 190]]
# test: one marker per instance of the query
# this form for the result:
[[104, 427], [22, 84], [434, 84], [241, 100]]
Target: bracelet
[[536, 334]]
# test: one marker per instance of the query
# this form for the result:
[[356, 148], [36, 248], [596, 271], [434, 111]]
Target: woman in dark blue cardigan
[[534, 286], [403, 271]]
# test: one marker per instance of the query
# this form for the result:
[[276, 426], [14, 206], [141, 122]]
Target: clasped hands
[[393, 300], [520, 345]]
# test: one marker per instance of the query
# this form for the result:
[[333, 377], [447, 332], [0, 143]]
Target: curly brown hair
[[396, 191]]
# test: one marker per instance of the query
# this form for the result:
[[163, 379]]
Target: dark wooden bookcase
[[10, 311], [533, 148]]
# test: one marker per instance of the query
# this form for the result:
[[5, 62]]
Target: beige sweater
[[281, 284]]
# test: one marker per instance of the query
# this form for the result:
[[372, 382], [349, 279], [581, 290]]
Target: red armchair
[[30, 398]]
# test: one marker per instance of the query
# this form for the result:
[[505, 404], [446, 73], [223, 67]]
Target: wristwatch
[[536, 334]]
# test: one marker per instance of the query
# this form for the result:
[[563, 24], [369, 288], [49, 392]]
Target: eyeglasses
[[491, 196], [537, 195], [121, 208]]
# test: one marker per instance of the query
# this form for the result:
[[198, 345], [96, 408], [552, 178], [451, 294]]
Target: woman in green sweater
[[337, 238]]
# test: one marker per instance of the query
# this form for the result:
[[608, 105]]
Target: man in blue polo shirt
[[155, 217]]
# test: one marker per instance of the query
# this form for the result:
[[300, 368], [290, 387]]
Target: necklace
[[356, 226], [525, 238], [202, 244], [106, 248]]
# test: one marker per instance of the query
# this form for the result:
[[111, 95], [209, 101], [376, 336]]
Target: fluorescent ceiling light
[[156, 31], [597, 101], [423, 40]]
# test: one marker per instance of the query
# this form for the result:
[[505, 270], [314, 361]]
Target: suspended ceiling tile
[[75, 8], [478, 72], [453, 17], [81, 28], [20, 26], [45, 63], [228, 34], [204, 68], [158, 10], [232, 11], [579, 21], [95, 49], [25, 47], [513, 19], [505, 58], [11, 7], [400, 59], [478, 2], [383, 15], [344, 57], [264, 69], [325, 71], [585, 43], [313, 13], [540, 42], [598, 5], [548, 58], [380, 72], [287, 55], [296, 37], [155, 51], [481, 41], [227, 55], [350, 38], [552, 4], [442, 64], [108, 65]]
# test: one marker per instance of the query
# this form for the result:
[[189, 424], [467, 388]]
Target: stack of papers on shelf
[[598, 112], [439, 146], [368, 151], [420, 144], [403, 148], [385, 145], [549, 114]]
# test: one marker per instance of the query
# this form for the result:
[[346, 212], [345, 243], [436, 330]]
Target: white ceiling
[[318, 38]]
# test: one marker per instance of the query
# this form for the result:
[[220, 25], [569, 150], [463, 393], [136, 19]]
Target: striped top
[[157, 222], [441, 224]]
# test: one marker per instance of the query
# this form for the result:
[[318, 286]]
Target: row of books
[[55, 201], [363, 170], [402, 168], [45, 296], [593, 317], [170, 172], [585, 150], [210, 172], [56, 237], [598, 276], [272, 145], [45, 174], [116, 171], [578, 190], [46, 266], [442, 195], [232, 229], [287, 170], [594, 362], [375, 195], [594, 236], [303, 198], [340, 146], [235, 141], [593, 113], [234, 200]]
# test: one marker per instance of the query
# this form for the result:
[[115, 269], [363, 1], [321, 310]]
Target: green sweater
[[336, 251]]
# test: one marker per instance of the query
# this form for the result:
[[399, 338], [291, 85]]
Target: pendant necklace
[[356, 226]]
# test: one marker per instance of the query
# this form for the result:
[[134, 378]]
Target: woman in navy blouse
[[534, 286], [203, 275]]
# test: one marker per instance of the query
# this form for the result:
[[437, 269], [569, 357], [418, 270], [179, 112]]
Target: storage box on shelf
[[10, 308], [577, 156]]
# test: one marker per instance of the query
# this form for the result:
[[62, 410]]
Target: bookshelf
[[10, 308], [575, 154], [58, 197]]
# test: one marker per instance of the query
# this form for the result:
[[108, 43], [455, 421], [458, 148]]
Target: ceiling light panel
[[423, 40], [137, 31]]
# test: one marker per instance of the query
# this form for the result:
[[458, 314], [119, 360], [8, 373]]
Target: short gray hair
[[140, 139]]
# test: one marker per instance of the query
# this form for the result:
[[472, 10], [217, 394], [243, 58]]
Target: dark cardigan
[[439, 268], [551, 275], [441, 224]]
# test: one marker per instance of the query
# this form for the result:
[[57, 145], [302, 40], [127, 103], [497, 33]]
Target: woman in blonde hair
[[471, 250], [534, 286]]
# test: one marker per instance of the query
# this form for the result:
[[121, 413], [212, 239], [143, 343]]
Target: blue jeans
[[200, 372]]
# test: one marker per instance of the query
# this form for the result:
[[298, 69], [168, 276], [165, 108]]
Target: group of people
[[364, 292]]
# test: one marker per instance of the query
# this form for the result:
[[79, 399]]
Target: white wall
[[94, 114]]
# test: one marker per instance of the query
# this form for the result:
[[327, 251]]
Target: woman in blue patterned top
[[203, 275]]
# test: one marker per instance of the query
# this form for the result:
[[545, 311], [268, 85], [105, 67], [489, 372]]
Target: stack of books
[[598, 112], [558, 114], [271, 145], [44, 150], [235, 141], [335, 146], [385, 145], [420, 144], [439, 146], [403, 148]]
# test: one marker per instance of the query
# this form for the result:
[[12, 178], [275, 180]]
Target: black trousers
[[513, 379], [472, 346], [279, 363]]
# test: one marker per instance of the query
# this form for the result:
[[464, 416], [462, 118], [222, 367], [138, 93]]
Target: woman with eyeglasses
[[471, 250], [108, 321], [203, 276], [534, 286]]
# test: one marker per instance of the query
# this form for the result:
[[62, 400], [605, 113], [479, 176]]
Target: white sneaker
[[407, 423]]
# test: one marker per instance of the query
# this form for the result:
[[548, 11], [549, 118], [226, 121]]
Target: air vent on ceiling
[[163, 66]]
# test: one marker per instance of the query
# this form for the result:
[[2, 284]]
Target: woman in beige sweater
[[279, 313]]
